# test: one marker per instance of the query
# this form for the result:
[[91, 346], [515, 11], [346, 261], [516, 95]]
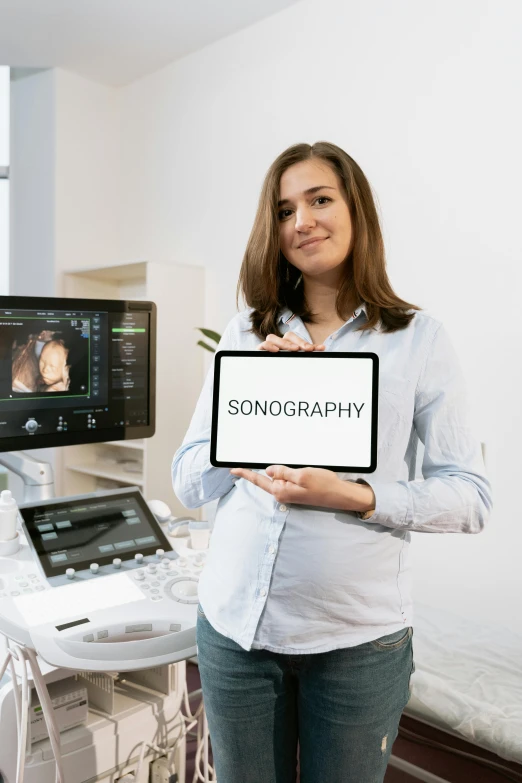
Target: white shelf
[[115, 475], [126, 444]]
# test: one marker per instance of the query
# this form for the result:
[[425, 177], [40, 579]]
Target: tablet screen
[[296, 409]]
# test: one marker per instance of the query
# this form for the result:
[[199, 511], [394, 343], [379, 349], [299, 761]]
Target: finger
[[268, 347], [283, 473], [294, 338], [282, 342], [255, 478]]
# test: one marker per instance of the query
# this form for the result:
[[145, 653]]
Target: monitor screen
[[75, 532], [75, 371]]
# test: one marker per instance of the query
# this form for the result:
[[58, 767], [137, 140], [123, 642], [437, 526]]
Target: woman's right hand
[[288, 342]]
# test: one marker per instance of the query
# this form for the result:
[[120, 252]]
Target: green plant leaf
[[204, 345], [210, 334]]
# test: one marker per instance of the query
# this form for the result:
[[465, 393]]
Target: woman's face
[[312, 206], [52, 363]]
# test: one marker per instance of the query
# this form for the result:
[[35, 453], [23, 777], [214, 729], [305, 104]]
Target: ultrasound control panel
[[96, 585]]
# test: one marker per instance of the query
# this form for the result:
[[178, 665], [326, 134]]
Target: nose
[[304, 218]]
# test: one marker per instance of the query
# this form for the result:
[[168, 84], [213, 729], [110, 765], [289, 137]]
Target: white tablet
[[295, 408]]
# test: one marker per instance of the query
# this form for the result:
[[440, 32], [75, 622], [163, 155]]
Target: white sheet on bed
[[468, 678]]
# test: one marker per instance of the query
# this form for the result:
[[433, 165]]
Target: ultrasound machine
[[98, 594]]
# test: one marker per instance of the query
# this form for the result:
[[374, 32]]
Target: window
[[4, 180]]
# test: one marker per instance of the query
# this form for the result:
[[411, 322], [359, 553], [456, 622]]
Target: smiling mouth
[[313, 243]]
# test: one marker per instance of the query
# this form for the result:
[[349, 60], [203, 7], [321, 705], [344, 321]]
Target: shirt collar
[[286, 314]]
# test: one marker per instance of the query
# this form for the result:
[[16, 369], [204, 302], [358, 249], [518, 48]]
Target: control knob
[[138, 558], [160, 553], [31, 425], [70, 572], [95, 568], [116, 562], [151, 568]]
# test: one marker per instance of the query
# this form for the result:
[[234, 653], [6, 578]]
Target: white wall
[[424, 97], [32, 180], [88, 213]]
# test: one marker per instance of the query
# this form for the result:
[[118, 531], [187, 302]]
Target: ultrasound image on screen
[[50, 357]]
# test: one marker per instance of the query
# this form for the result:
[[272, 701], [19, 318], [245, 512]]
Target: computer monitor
[[75, 371]]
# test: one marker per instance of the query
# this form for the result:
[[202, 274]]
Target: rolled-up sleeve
[[194, 479], [455, 494]]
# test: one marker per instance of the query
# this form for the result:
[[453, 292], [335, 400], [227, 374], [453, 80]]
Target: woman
[[304, 626]]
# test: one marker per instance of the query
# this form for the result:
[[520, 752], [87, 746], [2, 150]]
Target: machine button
[[28, 590], [70, 573], [88, 637], [165, 563], [160, 553], [157, 597], [151, 568], [181, 561], [262, 591], [102, 634], [198, 559], [33, 576], [15, 592], [174, 573], [282, 507], [154, 590], [117, 562], [175, 627], [139, 575], [155, 584], [31, 425], [138, 627], [138, 558], [95, 568], [39, 588], [145, 587], [24, 584], [162, 577]]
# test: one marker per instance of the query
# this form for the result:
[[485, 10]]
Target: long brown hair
[[268, 282]]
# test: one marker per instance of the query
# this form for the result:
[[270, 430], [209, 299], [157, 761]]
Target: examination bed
[[467, 682]]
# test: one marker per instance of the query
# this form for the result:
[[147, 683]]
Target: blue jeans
[[343, 707]]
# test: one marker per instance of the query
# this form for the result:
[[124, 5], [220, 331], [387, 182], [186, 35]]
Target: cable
[[25, 656], [48, 712]]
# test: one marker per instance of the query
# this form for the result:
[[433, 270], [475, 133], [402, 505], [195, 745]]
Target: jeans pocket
[[393, 641]]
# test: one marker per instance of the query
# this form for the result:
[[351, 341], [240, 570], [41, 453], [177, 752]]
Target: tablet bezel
[[297, 356]]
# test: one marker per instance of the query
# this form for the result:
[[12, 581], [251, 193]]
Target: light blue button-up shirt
[[299, 579]]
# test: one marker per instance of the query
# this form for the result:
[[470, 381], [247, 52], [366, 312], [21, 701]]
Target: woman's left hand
[[310, 486]]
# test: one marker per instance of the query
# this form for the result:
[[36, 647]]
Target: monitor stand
[[37, 476]]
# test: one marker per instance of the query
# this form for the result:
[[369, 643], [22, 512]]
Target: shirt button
[[271, 550], [263, 591], [283, 508]]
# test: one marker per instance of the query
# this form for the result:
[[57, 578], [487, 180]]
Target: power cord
[[25, 656]]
